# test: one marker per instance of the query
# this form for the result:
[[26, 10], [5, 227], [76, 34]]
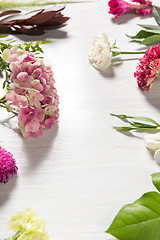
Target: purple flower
[[7, 165]]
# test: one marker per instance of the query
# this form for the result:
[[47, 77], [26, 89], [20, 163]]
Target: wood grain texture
[[81, 172]]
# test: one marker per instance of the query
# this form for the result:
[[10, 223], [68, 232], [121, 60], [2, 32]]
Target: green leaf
[[145, 119], [139, 220], [153, 31], [152, 27], [156, 14], [151, 40], [4, 84], [141, 34], [46, 41], [121, 116], [2, 36], [156, 180], [124, 129], [142, 125]]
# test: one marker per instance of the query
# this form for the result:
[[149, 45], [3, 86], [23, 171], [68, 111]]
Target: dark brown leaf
[[31, 23], [9, 12], [5, 29], [41, 18], [58, 20], [29, 31]]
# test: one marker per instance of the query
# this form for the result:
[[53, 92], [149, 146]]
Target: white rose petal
[[152, 141], [100, 55]]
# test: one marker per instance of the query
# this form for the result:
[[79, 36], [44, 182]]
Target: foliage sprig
[[151, 33]]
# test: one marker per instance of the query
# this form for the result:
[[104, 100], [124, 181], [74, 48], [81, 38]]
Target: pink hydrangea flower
[[120, 7], [7, 165], [148, 68], [32, 92]]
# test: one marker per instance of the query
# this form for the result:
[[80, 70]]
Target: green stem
[[4, 106], [9, 4], [15, 237], [131, 52], [127, 129]]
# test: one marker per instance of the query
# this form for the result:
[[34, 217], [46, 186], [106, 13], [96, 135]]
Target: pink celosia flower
[[32, 92], [119, 7], [147, 70], [7, 165]]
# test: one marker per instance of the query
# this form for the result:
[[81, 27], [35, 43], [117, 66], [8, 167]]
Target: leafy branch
[[137, 123], [151, 33]]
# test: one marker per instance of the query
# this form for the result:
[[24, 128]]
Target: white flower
[[152, 141], [100, 54]]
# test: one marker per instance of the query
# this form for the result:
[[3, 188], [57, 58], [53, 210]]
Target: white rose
[[152, 141], [100, 54]]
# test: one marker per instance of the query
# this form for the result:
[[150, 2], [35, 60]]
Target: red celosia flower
[[7, 165], [147, 70], [119, 7]]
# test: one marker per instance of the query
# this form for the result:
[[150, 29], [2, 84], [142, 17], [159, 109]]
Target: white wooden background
[[81, 172]]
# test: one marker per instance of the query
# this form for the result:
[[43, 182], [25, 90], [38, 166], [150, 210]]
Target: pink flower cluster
[[7, 165], [147, 70], [120, 7], [32, 92]]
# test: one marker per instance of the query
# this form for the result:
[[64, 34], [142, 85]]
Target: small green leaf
[[156, 180], [139, 220], [142, 125], [12, 41], [3, 36], [145, 119], [124, 129], [4, 84], [156, 14], [153, 31], [151, 40], [121, 116], [141, 34], [46, 41], [114, 53]]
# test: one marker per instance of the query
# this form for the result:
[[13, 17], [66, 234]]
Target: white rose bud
[[100, 55], [152, 141]]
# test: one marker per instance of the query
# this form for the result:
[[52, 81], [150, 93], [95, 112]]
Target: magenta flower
[[148, 69], [32, 92], [7, 165], [120, 7]]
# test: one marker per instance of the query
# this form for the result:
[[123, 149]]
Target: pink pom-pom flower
[[148, 68], [7, 165], [120, 7]]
